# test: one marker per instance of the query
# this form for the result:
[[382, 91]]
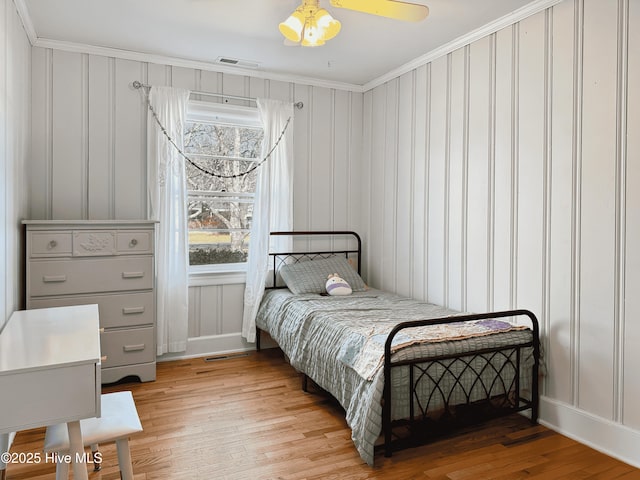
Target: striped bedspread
[[339, 343]]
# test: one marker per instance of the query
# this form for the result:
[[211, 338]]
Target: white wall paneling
[[69, 162], [405, 173], [417, 203], [375, 199], [525, 181], [340, 156], [531, 163], [630, 327], [503, 168], [101, 134], [366, 178], [15, 122], [478, 186], [215, 318], [302, 152], [389, 193], [457, 152], [7, 300], [320, 188], [130, 135], [597, 222], [437, 163], [622, 93], [560, 337]]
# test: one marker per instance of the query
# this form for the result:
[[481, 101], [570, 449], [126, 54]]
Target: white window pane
[[220, 209]]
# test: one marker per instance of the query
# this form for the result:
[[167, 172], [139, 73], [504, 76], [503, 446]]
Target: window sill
[[206, 275]]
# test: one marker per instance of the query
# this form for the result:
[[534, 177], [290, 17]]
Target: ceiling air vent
[[234, 62]]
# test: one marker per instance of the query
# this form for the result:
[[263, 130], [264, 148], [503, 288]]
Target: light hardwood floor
[[246, 418]]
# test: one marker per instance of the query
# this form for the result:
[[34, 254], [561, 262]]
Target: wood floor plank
[[246, 417]]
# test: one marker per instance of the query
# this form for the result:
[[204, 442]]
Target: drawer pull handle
[[101, 330], [132, 310], [133, 348], [132, 274], [133, 242], [53, 244], [103, 359], [54, 278]]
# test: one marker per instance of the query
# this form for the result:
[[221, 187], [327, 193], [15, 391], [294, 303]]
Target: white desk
[[50, 372]]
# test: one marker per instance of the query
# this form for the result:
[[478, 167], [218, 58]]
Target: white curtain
[[273, 207], [167, 188]]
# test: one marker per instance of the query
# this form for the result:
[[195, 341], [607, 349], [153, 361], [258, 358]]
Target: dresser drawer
[[49, 244], [91, 275], [126, 347], [134, 241], [116, 310], [127, 310]]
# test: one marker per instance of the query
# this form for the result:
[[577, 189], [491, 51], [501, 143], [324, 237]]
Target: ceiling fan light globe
[[312, 43], [327, 24], [292, 27], [312, 35]]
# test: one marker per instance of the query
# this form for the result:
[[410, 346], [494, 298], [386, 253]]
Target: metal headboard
[[278, 259]]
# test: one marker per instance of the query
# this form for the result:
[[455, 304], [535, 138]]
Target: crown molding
[[186, 63], [25, 17], [488, 29]]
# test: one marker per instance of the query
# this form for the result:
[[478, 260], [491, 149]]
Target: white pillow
[[311, 276]]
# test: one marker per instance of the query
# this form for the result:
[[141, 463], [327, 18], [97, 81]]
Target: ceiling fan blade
[[386, 8]]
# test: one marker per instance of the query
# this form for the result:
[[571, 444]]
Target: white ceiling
[[367, 47]]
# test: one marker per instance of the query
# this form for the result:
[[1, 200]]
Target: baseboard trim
[[212, 345], [613, 439]]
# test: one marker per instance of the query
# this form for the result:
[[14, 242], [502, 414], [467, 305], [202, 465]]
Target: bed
[[403, 370]]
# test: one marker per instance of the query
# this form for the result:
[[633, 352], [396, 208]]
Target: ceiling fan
[[311, 26]]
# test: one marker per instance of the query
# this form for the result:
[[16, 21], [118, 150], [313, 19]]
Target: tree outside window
[[220, 209]]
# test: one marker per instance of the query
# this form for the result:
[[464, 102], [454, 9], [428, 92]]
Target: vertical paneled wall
[[506, 174], [15, 76], [89, 156]]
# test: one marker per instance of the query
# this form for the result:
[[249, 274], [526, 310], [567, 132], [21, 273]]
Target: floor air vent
[[226, 357]]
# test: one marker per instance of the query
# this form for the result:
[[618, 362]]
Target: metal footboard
[[501, 365]]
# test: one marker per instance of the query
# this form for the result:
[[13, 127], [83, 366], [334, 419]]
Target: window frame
[[221, 114]]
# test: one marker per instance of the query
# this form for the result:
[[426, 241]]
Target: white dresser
[[109, 263]]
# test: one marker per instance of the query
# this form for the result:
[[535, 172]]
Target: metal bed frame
[[502, 396]]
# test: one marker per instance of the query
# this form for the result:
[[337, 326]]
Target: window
[[224, 140]]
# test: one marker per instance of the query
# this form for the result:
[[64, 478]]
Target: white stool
[[118, 420]]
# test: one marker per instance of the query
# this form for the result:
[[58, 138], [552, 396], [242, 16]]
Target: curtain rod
[[137, 85]]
